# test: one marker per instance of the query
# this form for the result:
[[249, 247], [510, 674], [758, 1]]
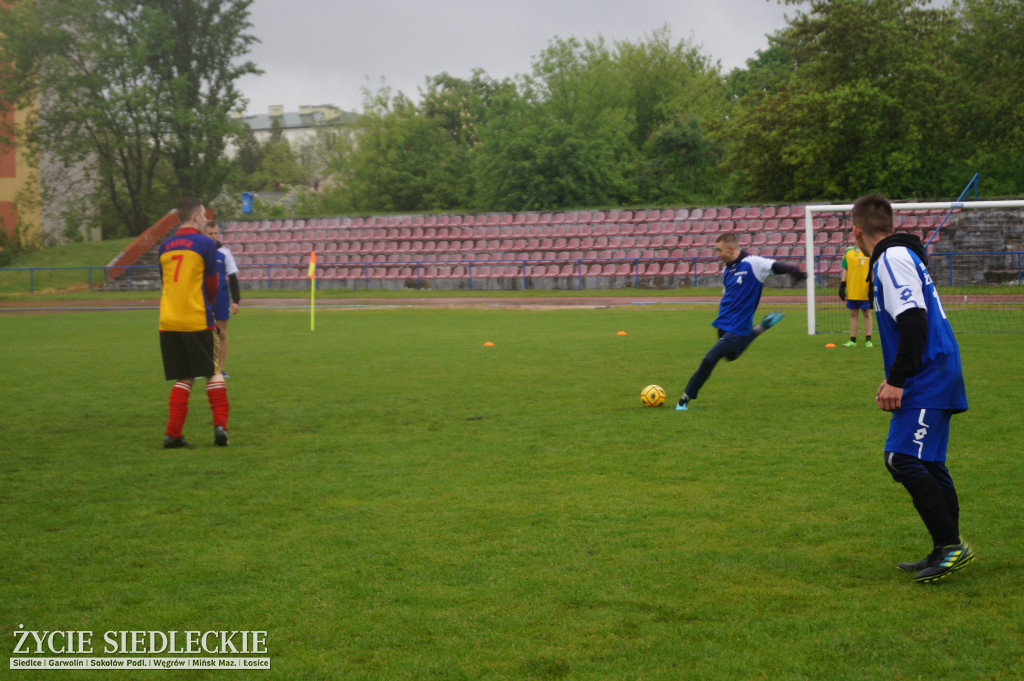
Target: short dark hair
[[187, 207], [727, 238], [873, 214]]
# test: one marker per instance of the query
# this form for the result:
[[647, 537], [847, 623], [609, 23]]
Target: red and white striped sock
[[217, 394], [178, 408]]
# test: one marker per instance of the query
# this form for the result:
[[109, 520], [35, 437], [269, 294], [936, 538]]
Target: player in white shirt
[[228, 295]]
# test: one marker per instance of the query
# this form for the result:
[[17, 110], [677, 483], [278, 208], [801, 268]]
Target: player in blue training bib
[[743, 282], [924, 382]]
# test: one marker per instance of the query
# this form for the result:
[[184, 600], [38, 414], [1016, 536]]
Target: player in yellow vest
[[855, 289]]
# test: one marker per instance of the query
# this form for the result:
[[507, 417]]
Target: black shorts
[[189, 354]]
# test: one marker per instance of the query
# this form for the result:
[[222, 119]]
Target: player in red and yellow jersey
[[188, 343]]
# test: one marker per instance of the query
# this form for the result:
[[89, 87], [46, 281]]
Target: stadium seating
[[651, 242]]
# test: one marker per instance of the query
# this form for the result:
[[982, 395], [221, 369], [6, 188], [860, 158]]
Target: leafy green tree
[[989, 56], [563, 140], [675, 96], [391, 163], [462, 109], [278, 166], [865, 105], [125, 86], [249, 155]]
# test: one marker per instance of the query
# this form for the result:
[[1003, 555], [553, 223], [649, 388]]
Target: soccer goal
[[975, 256]]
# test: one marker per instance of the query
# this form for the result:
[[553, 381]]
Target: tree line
[[850, 96]]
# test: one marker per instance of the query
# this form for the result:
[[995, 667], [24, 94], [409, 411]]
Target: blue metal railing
[[525, 269]]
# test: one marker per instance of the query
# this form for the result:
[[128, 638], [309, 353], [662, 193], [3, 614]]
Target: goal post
[[810, 231]]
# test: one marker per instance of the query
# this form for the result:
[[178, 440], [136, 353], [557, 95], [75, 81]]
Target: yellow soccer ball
[[652, 396]]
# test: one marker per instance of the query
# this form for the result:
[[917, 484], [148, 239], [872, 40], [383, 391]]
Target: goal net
[[975, 257]]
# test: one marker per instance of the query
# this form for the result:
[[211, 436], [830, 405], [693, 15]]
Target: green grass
[[74, 259], [401, 502]]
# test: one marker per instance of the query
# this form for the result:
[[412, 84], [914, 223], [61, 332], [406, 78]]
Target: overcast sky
[[325, 51]]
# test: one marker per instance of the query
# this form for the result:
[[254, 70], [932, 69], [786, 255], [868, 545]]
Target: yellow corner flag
[[312, 291]]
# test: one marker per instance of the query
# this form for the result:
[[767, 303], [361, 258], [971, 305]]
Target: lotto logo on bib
[[125, 649]]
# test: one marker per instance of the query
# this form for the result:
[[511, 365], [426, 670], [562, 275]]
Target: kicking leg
[[725, 347]]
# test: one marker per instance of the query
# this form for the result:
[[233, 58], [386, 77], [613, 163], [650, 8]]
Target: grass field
[[401, 502]]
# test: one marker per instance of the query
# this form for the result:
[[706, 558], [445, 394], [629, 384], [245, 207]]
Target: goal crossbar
[[811, 210]]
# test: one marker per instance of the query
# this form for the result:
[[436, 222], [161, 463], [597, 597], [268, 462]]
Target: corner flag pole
[[312, 291]]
